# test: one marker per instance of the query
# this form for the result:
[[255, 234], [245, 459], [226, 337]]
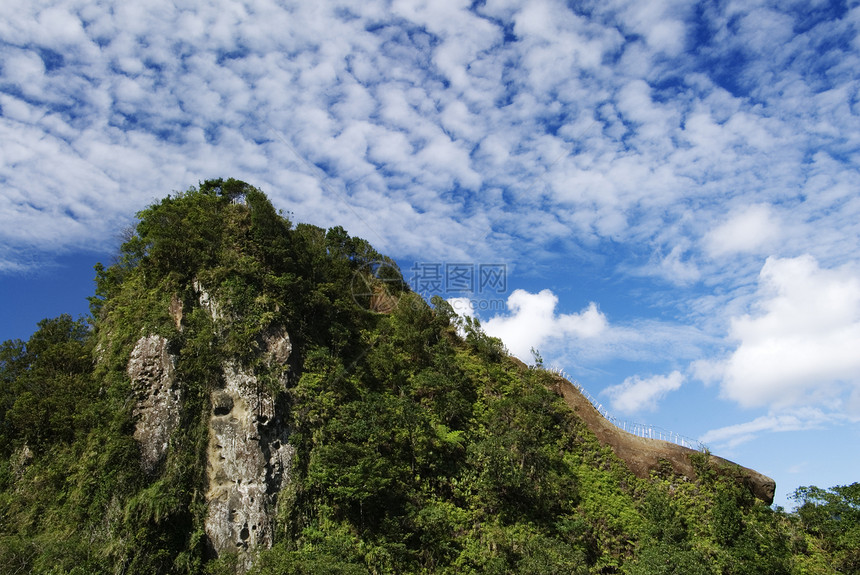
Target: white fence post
[[638, 429]]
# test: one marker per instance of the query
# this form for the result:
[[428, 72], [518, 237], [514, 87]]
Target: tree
[[47, 384], [832, 516]]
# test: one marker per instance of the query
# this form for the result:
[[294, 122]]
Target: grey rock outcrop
[[20, 460], [157, 411], [249, 455], [249, 459], [206, 301], [176, 311], [278, 346]]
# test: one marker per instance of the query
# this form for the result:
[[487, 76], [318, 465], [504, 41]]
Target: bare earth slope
[[643, 456]]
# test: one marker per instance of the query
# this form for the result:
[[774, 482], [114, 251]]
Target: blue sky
[[671, 186]]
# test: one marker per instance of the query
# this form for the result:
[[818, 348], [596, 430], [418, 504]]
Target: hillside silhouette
[[254, 395]]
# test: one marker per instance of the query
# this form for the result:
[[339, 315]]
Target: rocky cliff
[[248, 457], [153, 378], [248, 463]]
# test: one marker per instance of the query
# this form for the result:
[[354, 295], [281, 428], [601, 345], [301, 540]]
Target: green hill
[[250, 395]]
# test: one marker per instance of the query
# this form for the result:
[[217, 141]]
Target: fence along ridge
[[639, 429]]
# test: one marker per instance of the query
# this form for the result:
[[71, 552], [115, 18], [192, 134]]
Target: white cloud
[[752, 229], [532, 321], [659, 22], [676, 269], [799, 345], [635, 394], [795, 420], [583, 342]]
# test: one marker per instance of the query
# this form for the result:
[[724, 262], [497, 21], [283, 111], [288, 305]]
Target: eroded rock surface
[[278, 346], [248, 460], [249, 454], [152, 372], [207, 302], [176, 311]]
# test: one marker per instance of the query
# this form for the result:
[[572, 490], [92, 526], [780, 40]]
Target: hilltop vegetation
[[420, 446]]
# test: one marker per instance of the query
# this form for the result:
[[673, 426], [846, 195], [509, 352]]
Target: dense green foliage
[[829, 522], [421, 446]]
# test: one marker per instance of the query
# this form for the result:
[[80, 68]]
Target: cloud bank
[[796, 420], [497, 127], [794, 353], [532, 321], [799, 344], [588, 340]]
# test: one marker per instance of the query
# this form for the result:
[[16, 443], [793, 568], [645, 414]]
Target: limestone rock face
[[152, 373], [249, 454], [206, 301], [20, 460], [248, 459], [176, 311], [278, 346]]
